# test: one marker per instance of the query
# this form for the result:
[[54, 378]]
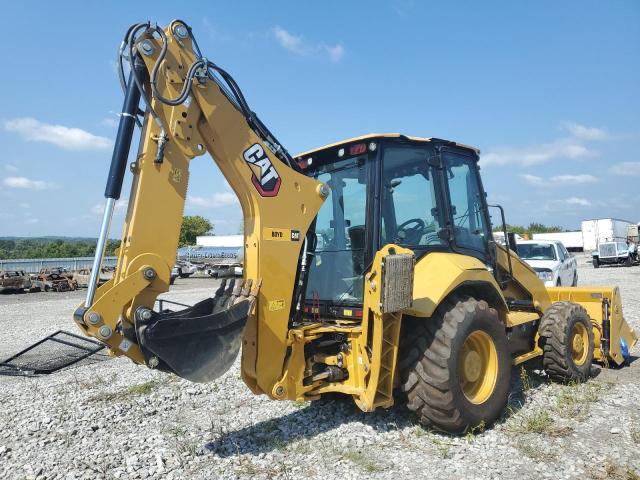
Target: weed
[[632, 475], [443, 448], [188, 447], [539, 422], [635, 435], [270, 426], [299, 404], [473, 431], [143, 389], [614, 471], [178, 431], [534, 453], [574, 400], [133, 391], [525, 380], [368, 464]]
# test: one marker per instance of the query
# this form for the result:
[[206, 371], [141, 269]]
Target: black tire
[[430, 366], [185, 275], [557, 329], [575, 280], [559, 282], [172, 280], [596, 263], [629, 261]]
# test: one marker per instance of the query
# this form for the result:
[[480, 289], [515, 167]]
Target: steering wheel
[[410, 235]]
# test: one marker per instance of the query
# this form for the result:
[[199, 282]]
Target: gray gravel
[[118, 420]]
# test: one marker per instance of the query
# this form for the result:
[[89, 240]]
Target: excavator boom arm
[[194, 107]]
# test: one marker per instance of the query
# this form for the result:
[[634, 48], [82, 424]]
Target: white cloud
[[631, 169], [31, 220], [109, 122], [25, 183], [297, 44], [10, 168], [585, 133], [582, 202], [572, 203], [98, 208], [559, 180], [24, 205], [65, 137], [288, 41], [537, 154], [221, 199], [335, 53]]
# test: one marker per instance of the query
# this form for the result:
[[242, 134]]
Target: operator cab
[[420, 193]]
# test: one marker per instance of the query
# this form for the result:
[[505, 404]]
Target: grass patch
[[525, 380], [539, 422], [574, 401], [299, 404], [613, 471], [443, 448], [535, 453], [368, 464], [178, 431], [473, 431], [134, 391]]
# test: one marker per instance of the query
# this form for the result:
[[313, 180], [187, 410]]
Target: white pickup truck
[[552, 262]]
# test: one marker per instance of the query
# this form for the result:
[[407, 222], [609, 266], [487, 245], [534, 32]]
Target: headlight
[[545, 276]]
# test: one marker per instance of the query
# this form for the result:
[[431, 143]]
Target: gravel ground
[[114, 419]]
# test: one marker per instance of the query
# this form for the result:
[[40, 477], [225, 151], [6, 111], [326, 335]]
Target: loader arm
[[193, 108]]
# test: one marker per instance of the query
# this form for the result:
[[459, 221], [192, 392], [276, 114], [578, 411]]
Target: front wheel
[[567, 342], [456, 367], [596, 263]]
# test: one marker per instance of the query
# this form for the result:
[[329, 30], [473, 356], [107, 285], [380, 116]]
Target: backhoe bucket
[[201, 342]]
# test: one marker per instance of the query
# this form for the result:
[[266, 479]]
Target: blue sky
[[547, 90]]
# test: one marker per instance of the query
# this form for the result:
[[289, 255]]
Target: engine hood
[[543, 264]]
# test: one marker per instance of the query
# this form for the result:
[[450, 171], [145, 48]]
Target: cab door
[[469, 223]]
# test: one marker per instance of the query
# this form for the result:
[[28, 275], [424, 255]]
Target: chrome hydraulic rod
[[100, 248]]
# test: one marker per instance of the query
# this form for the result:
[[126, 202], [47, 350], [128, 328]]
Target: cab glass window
[[470, 228], [410, 214]]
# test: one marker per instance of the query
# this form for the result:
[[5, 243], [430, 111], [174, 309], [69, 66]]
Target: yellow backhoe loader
[[370, 266]]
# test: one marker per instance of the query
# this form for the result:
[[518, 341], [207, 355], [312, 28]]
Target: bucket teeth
[[246, 288], [232, 292]]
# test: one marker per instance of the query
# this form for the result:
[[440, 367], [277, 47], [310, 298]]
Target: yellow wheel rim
[[478, 367], [579, 343]]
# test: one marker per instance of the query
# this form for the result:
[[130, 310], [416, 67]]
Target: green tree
[[193, 226]]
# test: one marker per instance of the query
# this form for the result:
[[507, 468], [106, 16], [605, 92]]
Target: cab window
[[470, 228], [410, 214]]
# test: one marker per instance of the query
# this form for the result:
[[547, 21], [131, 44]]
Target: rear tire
[[575, 280], [456, 367], [596, 263], [567, 342], [629, 261]]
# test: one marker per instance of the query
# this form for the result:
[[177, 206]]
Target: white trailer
[[220, 241], [571, 240], [594, 231]]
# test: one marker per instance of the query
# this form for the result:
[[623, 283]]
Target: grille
[[607, 250], [397, 282]]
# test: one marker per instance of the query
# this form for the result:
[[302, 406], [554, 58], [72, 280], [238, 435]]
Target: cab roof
[[372, 136]]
